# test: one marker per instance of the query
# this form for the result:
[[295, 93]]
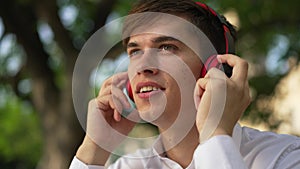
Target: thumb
[[199, 90]]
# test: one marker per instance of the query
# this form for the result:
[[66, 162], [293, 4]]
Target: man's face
[[153, 68]]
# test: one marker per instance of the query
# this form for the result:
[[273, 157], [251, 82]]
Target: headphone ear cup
[[211, 62], [129, 90]]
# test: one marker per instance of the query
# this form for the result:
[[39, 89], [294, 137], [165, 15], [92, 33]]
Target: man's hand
[[220, 101], [106, 128]]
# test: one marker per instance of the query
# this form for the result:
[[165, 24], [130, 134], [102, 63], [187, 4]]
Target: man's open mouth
[[148, 87]]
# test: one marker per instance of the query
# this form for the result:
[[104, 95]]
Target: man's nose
[[149, 62], [148, 70]]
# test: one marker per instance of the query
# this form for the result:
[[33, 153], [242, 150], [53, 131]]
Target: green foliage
[[20, 136], [270, 81], [122, 7]]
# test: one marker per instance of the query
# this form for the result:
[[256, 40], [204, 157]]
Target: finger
[[197, 96], [240, 66], [105, 91], [117, 115], [119, 108], [215, 73], [103, 103], [198, 91], [202, 83], [119, 80], [106, 103], [96, 115], [118, 93]]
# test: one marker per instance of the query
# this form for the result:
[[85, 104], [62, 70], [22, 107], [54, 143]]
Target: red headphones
[[212, 60], [229, 42]]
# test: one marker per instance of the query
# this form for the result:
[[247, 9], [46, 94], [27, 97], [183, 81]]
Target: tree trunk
[[62, 133]]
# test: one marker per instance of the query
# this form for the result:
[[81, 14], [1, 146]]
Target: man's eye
[[134, 52], [168, 48]]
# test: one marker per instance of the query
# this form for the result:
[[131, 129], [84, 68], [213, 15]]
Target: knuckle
[[214, 70], [91, 102], [105, 83], [115, 78], [245, 64], [199, 81]]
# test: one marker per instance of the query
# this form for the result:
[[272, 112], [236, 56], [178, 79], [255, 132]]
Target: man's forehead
[[170, 26], [171, 29], [158, 32], [160, 23]]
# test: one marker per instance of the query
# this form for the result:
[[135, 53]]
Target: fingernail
[[116, 116]]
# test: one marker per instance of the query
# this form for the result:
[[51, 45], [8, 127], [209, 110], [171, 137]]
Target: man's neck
[[183, 151]]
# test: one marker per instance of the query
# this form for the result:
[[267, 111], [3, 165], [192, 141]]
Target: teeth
[[148, 89]]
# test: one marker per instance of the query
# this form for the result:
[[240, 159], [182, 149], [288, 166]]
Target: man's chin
[[150, 115]]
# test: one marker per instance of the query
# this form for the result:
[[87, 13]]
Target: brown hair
[[208, 23]]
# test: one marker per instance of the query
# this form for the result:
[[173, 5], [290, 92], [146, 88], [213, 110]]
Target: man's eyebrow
[[159, 39], [164, 39], [132, 44]]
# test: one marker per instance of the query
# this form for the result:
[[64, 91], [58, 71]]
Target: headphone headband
[[229, 42]]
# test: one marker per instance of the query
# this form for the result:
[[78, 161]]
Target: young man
[[196, 114]]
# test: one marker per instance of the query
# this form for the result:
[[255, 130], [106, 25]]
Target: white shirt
[[247, 148]]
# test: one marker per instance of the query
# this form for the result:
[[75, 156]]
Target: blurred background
[[41, 39]]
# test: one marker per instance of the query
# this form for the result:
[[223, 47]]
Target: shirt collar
[[237, 135], [160, 153], [158, 148]]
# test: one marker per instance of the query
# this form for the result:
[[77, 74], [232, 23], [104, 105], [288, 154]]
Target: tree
[[48, 66], [52, 99]]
